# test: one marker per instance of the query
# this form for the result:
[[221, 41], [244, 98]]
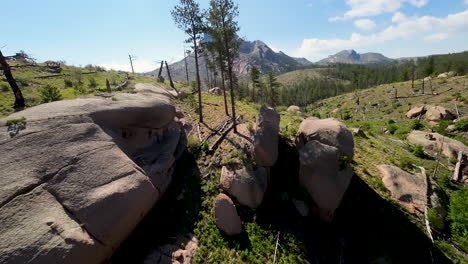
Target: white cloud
[[363, 8], [436, 37], [365, 24], [139, 66], [405, 28]]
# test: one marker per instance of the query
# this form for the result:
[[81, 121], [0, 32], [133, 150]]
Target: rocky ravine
[[77, 176]]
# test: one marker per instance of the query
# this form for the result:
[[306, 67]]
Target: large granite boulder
[[438, 113], [267, 137], [226, 217], [435, 142], [407, 188], [246, 185], [77, 176], [416, 111], [326, 148]]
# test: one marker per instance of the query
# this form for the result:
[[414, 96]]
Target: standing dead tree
[[130, 57], [19, 99], [169, 75]]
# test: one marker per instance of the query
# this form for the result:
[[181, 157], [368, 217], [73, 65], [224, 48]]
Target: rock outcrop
[[438, 113], [434, 142], [408, 189], [416, 111], [294, 108], [267, 137], [78, 175], [226, 216], [216, 91], [246, 185], [326, 148]]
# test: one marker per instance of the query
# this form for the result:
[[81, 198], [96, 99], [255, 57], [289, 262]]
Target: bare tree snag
[[457, 174], [423, 86], [109, 90], [131, 63], [160, 69], [19, 99], [186, 68], [169, 74]]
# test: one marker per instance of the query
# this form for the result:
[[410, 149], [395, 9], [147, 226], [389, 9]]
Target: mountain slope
[[352, 57], [255, 53]]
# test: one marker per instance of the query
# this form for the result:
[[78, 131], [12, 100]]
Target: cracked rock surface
[[77, 176]]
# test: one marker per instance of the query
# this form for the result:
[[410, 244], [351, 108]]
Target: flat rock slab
[[434, 142], [78, 175], [407, 188]]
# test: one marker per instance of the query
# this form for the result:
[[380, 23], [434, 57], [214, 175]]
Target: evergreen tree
[[224, 14], [273, 89], [255, 79], [189, 17]]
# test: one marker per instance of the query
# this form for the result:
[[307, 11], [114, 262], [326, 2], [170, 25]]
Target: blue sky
[[104, 32]]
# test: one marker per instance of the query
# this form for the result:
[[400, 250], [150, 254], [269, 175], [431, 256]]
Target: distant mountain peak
[[350, 56]]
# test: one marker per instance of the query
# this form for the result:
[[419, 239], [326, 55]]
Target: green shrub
[[67, 83], [453, 160], [347, 116], [462, 125], [392, 128], [441, 128], [418, 151], [79, 89], [92, 82], [458, 214], [402, 132], [281, 108], [436, 219], [50, 94], [250, 128], [415, 124], [390, 121], [4, 87], [114, 98], [406, 163], [16, 121]]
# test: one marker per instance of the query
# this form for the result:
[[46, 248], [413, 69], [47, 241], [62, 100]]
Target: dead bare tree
[[169, 75], [131, 62], [19, 99]]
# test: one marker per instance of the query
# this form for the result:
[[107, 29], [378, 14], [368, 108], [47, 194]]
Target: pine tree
[[273, 89], [255, 79], [189, 17], [224, 13]]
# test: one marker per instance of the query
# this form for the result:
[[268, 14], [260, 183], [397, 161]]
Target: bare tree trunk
[[223, 85], [186, 69], [131, 63], [423, 86], [160, 69], [231, 82], [19, 99], [109, 90], [200, 107], [169, 75]]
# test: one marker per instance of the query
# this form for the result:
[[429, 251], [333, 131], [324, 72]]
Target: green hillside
[[72, 82]]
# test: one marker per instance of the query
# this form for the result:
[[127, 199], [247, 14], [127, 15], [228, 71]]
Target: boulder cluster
[[325, 147], [431, 113], [248, 185]]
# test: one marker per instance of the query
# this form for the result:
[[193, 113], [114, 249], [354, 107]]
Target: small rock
[[216, 91], [226, 216], [358, 132], [301, 207], [451, 128], [294, 108]]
